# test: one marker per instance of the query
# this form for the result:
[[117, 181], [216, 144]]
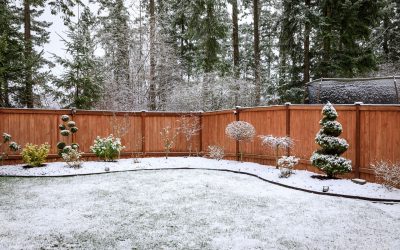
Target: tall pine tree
[[81, 83]]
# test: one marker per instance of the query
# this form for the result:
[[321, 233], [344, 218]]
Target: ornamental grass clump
[[328, 159], [240, 131], [35, 155], [388, 173], [69, 153], [12, 146], [107, 149], [216, 152]]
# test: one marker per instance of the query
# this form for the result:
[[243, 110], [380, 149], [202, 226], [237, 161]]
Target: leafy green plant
[[35, 155], [12, 146], [107, 149]]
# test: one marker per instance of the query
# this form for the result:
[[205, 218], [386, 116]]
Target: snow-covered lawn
[[185, 209], [301, 179]]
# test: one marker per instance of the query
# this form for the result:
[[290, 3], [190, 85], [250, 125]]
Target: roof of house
[[382, 90]]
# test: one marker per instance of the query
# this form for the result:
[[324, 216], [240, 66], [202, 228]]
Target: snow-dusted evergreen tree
[[81, 83], [328, 158], [115, 35]]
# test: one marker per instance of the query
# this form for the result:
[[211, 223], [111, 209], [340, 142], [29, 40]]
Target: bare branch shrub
[[189, 125], [120, 125], [276, 143], [388, 172], [216, 152], [168, 137], [240, 131]]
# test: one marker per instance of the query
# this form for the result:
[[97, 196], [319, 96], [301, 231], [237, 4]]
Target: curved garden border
[[220, 170]]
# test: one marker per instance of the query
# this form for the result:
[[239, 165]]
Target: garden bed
[[300, 179]]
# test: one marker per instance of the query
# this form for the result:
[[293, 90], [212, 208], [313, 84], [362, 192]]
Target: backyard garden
[[183, 196]]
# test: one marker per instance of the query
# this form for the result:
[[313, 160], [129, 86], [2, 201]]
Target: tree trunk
[[327, 42], [152, 87], [235, 44], [257, 78], [307, 31], [28, 93]]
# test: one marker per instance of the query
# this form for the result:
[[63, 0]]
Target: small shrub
[[168, 138], [240, 131], [286, 165], [12, 146], [389, 173], [35, 155], [190, 127], [216, 152], [276, 143], [71, 156], [107, 149]]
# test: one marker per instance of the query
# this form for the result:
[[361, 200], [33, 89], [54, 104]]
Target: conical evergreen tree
[[328, 158], [81, 83]]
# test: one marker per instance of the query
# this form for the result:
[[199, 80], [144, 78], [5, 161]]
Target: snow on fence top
[[384, 90]]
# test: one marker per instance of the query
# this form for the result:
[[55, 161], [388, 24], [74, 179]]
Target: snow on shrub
[[388, 172], [69, 153], [328, 158], [12, 146], [35, 155], [240, 131], [107, 149], [276, 143], [286, 165], [216, 152], [71, 156], [168, 138]]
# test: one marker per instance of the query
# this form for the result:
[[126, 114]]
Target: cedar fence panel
[[373, 131]]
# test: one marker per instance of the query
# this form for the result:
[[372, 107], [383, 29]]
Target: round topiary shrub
[[65, 118], [73, 130], [61, 145], [65, 132], [71, 124]]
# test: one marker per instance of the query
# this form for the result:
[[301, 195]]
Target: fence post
[[73, 113], [287, 105], [236, 112], [358, 138], [201, 132], [143, 122]]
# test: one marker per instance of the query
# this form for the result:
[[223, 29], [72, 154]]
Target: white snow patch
[[300, 178]]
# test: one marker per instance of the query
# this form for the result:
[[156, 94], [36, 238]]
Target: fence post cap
[[358, 103], [288, 103], [143, 110], [238, 107]]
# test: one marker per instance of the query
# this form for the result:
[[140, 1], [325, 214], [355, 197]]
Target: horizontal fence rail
[[373, 132]]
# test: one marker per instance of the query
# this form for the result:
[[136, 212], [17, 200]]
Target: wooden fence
[[373, 131]]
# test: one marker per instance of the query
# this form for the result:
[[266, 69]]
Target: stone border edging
[[220, 170]]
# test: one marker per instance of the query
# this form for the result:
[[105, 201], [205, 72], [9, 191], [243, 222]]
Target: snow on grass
[[301, 178], [185, 209]]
